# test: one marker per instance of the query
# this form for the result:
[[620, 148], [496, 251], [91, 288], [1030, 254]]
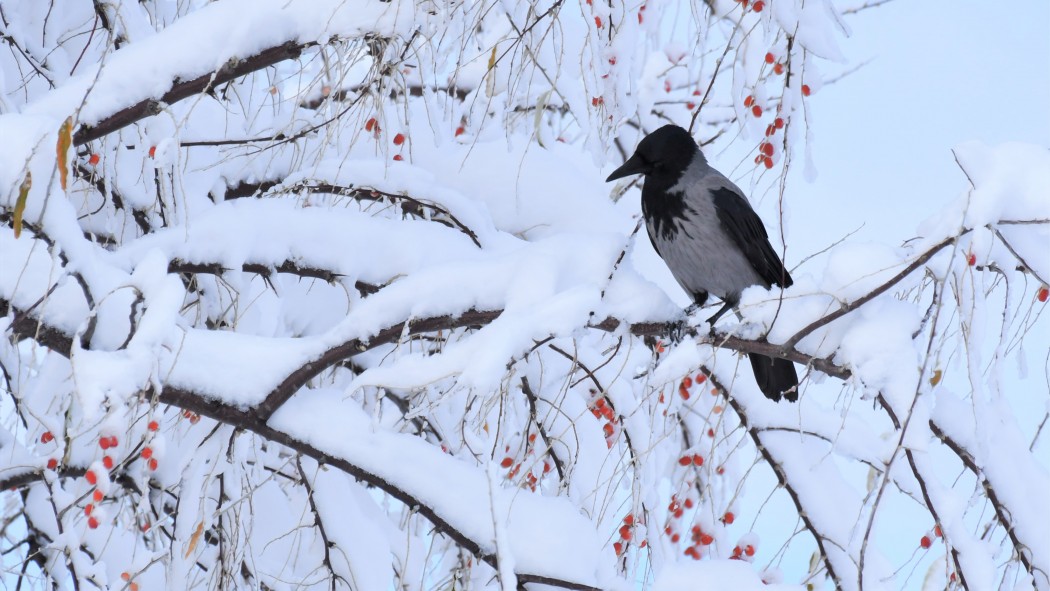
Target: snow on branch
[[336, 297]]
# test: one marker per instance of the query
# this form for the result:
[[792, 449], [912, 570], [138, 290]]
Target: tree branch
[[184, 89]]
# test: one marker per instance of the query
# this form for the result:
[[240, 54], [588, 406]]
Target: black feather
[[746, 229]]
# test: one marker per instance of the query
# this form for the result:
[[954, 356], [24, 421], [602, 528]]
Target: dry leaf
[[20, 203], [194, 539], [65, 140], [936, 379]]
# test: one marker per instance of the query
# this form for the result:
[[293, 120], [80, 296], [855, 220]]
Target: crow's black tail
[[775, 377]]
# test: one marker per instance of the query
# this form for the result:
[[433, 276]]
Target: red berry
[[153, 426], [778, 122], [720, 470], [93, 159], [90, 477], [769, 162], [107, 462], [598, 21], [690, 106], [113, 441], [728, 518], [758, 6], [688, 503], [399, 139], [706, 539], [507, 462], [925, 542], [47, 437], [937, 531], [667, 86], [683, 392], [52, 463], [147, 453], [625, 532], [92, 522], [103, 442], [125, 576], [737, 551], [145, 526], [685, 460], [805, 90], [756, 111], [700, 378], [675, 538], [640, 18], [370, 124], [152, 463], [459, 131], [687, 382], [710, 432], [698, 460], [749, 100], [88, 509], [1043, 294], [629, 520], [152, 151], [771, 130], [769, 58], [971, 259], [398, 157], [778, 69], [97, 496], [749, 550], [608, 429], [618, 547]]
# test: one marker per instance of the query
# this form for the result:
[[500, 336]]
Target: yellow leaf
[[65, 139], [194, 539], [936, 379], [490, 80], [20, 203]]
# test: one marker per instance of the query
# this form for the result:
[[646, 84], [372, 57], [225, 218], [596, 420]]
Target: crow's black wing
[[746, 229]]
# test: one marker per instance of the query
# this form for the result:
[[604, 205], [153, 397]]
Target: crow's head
[[664, 153]]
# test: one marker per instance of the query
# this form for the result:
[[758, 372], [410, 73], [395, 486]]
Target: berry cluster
[[630, 531], [602, 409], [756, 6], [532, 476]]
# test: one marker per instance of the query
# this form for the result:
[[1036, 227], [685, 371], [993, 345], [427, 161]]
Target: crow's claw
[[676, 330]]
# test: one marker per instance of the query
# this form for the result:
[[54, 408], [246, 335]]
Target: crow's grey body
[[702, 226], [703, 257]]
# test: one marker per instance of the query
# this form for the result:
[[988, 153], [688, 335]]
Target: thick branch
[[781, 475], [847, 308], [184, 89], [1020, 548]]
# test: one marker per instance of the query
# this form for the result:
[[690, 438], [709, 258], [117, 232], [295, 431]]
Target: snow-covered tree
[[329, 294]]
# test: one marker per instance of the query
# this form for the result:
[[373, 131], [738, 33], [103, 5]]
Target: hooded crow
[[704, 229]]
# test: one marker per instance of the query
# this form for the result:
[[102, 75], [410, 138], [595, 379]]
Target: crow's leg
[[727, 306]]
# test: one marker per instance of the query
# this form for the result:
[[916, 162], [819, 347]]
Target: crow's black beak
[[634, 165]]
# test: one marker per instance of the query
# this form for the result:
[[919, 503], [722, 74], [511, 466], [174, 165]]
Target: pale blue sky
[[941, 73]]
